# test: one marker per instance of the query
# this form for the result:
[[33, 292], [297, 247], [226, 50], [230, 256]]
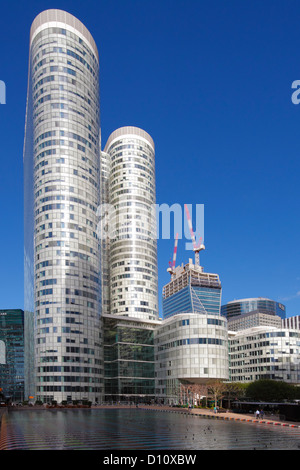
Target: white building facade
[[132, 224], [62, 194], [190, 348], [264, 352]]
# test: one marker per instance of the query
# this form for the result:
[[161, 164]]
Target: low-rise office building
[[252, 319], [189, 348], [292, 322], [264, 352], [129, 359]]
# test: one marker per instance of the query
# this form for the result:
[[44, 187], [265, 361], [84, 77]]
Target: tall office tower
[[104, 211], [62, 194], [12, 355], [192, 290], [132, 224]]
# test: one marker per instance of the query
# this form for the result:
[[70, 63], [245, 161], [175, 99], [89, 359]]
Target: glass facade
[[12, 354], [239, 307], [129, 359], [132, 235], [104, 238], [29, 356], [192, 291], [62, 194]]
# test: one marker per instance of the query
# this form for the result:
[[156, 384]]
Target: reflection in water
[[136, 429]]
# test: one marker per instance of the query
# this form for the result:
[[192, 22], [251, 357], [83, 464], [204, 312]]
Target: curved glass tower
[[239, 307], [62, 193], [132, 238]]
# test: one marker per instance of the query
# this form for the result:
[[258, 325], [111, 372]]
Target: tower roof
[[62, 18]]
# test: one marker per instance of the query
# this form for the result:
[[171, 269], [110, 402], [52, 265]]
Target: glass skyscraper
[[12, 354], [129, 264], [62, 195]]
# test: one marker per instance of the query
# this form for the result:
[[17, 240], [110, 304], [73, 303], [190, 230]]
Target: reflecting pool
[[94, 429]]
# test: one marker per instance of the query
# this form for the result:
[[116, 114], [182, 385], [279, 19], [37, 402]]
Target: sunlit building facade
[[103, 231], [132, 224], [239, 307], [191, 344], [190, 348], [129, 265], [252, 319], [264, 352], [62, 194], [192, 290], [292, 322]]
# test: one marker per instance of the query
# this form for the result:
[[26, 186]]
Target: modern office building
[[129, 265], [103, 231], [264, 352], [260, 304], [292, 322], [29, 359], [62, 194], [12, 374], [190, 348], [251, 319], [191, 345], [132, 224], [129, 359], [192, 290]]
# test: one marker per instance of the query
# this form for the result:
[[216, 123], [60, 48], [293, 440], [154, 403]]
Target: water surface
[[105, 429]]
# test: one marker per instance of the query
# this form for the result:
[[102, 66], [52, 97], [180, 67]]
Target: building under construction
[[192, 290], [191, 345]]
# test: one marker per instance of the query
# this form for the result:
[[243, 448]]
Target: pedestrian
[[257, 414], [262, 413]]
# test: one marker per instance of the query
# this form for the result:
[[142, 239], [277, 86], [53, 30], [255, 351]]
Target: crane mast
[[200, 246]]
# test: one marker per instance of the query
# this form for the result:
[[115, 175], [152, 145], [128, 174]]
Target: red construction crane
[[200, 246], [172, 265]]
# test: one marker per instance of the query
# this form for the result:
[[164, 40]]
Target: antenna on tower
[[171, 268], [200, 246]]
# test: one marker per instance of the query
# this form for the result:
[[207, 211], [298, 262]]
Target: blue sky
[[211, 82]]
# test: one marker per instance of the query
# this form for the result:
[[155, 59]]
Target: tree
[[233, 390], [192, 392], [217, 389], [272, 390]]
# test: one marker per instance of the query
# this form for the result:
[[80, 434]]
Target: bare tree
[[216, 389], [193, 392]]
